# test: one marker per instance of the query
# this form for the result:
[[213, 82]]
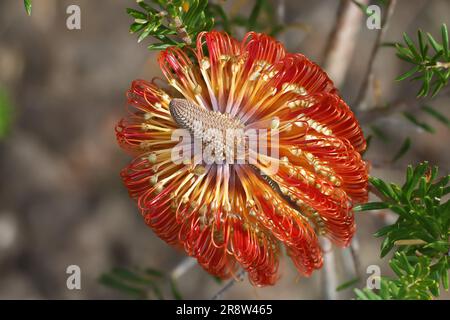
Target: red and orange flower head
[[237, 215]]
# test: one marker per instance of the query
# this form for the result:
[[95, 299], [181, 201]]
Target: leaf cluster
[[417, 279], [421, 232], [138, 283], [170, 23], [416, 120], [430, 60]]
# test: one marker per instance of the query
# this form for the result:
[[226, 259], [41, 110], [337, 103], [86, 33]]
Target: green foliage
[[262, 19], [437, 115], [141, 284], [170, 23], [178, 22], [406, 145], [416, 120], [5, 114], [27, 4], [421, 233], [379, 133], [348, 284], [417, 279], [431, 68]]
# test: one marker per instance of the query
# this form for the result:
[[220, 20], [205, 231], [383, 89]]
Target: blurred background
[[61, 199]]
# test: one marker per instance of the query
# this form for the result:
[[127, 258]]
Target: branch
[[184, 266], [229, 285], [354, 252], [362, 95], [378, 112], [342, 40], [329, 280], [281, 17]]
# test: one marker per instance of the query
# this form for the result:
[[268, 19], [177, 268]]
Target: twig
[[329, 279], [410, 104], [362, 94], [184, 266], [351, 258], [410, 242], [281, 17], [354, 251], [342, 40], [336, 60], [228, 285]]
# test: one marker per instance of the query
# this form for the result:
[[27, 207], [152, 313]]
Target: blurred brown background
[[61, 199]]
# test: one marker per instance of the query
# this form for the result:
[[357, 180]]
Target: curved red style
[[227, 216]]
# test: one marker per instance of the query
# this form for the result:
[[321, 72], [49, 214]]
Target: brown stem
[[228, 285], [362, 94], [342, 40]]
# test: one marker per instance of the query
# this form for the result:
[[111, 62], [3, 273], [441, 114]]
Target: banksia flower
[[237, 215]]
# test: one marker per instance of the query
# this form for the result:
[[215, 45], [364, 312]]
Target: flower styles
[[237, 215]]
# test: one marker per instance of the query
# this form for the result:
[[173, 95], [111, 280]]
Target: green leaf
[[175, 292], [158, 46], [379, 133], [413, 180], [348, 284], [438, 85], [436, 46], [418, 123], [445, 41], [255, 14], [422, 44], [444, 278], [371, 206], [384, 290], [136, 14], [403, 150], [383, 187], [386, 246], [383, 231], [411, 46], [157, 292], [218, 280], [145, 33], [408, 74], [128, 275], [5, 114], [132, 278], [113, 282], [388, 44], [364, 8], [146, 7], [136, 27], [442, 246], [154, 273], [218, 9], [437, 115], [28, 6], [371, 295], [368, 142], [361, 295], [395, 266]]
